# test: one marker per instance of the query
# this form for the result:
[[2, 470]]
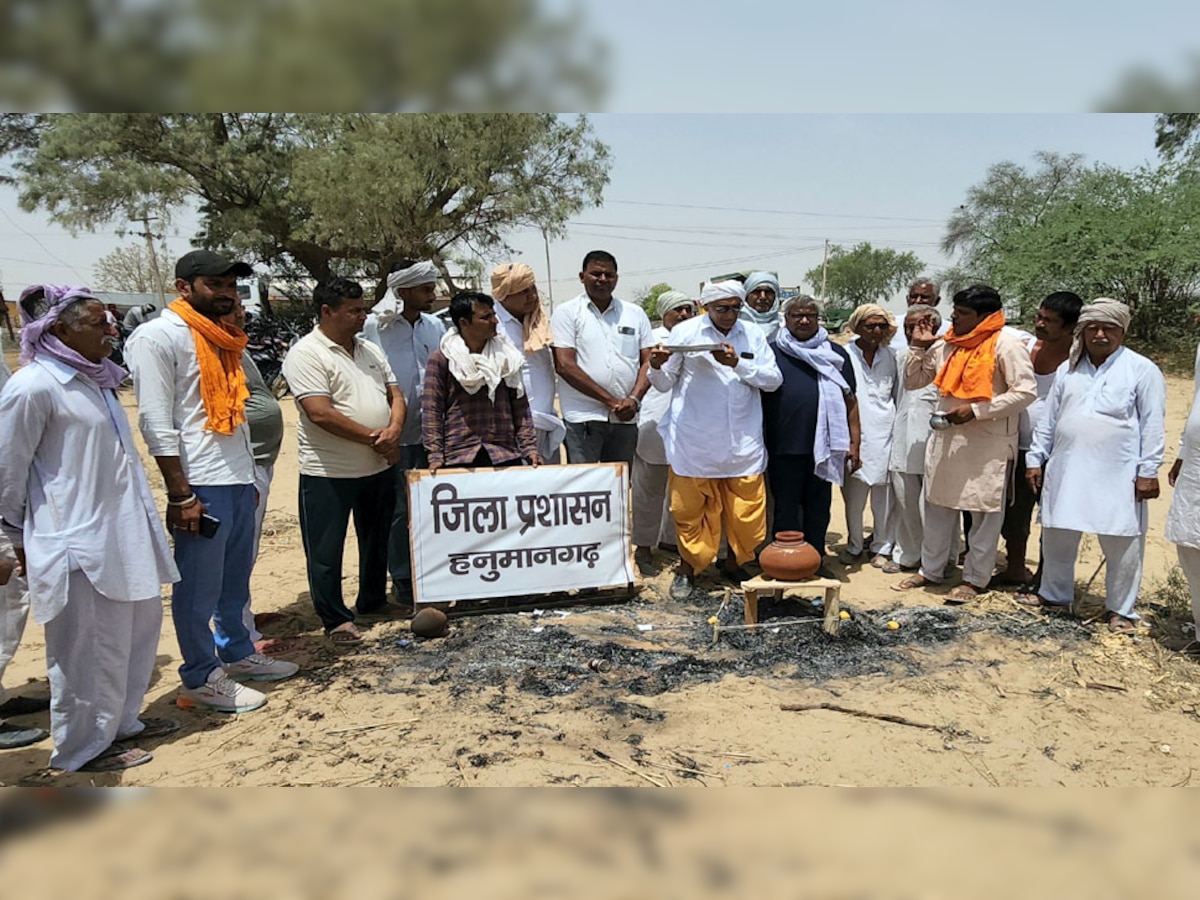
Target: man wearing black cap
[[191, 391]]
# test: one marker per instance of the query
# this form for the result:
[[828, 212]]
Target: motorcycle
[[269, 339]]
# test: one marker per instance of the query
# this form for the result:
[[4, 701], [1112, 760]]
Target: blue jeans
[[412, 456], [214, 584]]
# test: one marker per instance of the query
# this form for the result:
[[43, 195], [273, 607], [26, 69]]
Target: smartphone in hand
[[209, 525]]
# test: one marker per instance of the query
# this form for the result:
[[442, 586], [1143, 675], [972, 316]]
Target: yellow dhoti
[[701, 506]]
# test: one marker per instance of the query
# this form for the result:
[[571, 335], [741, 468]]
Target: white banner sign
[[517, 531]]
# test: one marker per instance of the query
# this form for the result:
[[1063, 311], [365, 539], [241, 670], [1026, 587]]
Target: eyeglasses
[[726, 310], [874, 326], [801, 316]]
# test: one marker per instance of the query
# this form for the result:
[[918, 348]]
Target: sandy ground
[[1017, 699]]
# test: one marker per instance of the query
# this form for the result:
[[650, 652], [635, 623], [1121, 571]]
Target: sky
[[693, 195]]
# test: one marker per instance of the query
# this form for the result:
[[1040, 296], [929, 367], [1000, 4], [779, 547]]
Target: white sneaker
[[258, 667], [221, 693]]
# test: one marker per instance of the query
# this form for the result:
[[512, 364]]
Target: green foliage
[[863, 274], [318, 194], [648, 298], [1098, 231], [298, 55], [1176, 134]]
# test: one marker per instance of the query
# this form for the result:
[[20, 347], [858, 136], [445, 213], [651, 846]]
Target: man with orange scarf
[[191, 393], [984, 378]]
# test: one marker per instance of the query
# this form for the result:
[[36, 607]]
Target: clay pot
[[429, 623], [789, 557]]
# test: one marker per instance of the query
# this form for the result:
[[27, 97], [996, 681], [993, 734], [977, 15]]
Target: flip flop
[[912, 582], [344, 636], [1030, 598], [893, 568], [116, 758], [274, 646], [964, 593], [1118, 624]]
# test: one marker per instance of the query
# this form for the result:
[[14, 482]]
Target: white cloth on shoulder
[[498, 362], [833, 431]]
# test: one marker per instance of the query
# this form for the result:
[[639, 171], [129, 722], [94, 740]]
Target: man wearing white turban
[[401, 326], [762, 302], [1095, 457], [713, 434]]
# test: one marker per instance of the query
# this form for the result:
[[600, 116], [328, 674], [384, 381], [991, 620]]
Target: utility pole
[[549, 277], [146, 219], [824, 269]]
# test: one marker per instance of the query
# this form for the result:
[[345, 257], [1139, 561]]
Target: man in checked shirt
[[474, 411]]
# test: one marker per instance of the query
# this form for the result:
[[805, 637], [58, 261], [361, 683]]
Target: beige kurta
[[967, 466]]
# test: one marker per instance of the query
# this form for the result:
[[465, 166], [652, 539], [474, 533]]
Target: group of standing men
[[969, 421]]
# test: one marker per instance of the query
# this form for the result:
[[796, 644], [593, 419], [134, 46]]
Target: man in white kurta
[[906, 461], [1095, 456], [1183, 519], [521, 319], [652, 521], [878, 378], [74, 496], [713, 433]]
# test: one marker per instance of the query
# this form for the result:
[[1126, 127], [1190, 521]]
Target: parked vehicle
[[270, 338]]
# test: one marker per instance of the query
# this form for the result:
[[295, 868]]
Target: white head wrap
[[721, 290], [669, 300], [1102, 309], [423, 272]]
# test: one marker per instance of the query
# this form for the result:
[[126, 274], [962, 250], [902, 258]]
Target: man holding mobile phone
[[191, 392]]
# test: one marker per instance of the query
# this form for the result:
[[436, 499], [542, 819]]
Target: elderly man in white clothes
[[519, 312], [1095, 457], [601, 351], [906, 461], [401, 325], [75, 502], [713, 434], [652, 522], [878, 379], [14, 611], [1183, 519]]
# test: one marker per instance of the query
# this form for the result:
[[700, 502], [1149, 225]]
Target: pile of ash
[[549, 654]]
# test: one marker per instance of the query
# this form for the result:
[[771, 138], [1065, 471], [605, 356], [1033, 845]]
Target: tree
[[314, 194], [1098, 231], [299, 55], [648, 298], [864, 274], [131, 270], [1177, 134]]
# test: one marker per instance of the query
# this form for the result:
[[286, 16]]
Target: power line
[[40, 244], [777, 212]]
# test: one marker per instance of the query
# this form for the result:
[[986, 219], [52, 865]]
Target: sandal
[[273, 646], [964, 593], [116, 758], [1118, 624], [1031, 598], [154, 727], [912, 582], [892, 568], [345, 635]]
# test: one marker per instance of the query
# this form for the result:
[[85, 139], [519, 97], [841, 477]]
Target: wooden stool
[[831, 586]]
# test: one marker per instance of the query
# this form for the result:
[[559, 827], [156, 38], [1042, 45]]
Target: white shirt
[[407, 348], [877, 387], [538, 371], [166, 375], [713, 428], [911, 428], [1102, 429], [607, 347], [357, 386], [1183, 519], [70, 476], [654, 406]]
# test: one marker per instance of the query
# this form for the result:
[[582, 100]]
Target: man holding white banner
[[713, 433], [474, 412]]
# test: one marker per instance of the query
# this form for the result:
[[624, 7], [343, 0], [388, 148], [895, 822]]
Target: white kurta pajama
[[652, 522], [1183, 519], [1101, 429], [906, 465], [713, 432], [95, 546], [14, 596], [876, 394]]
